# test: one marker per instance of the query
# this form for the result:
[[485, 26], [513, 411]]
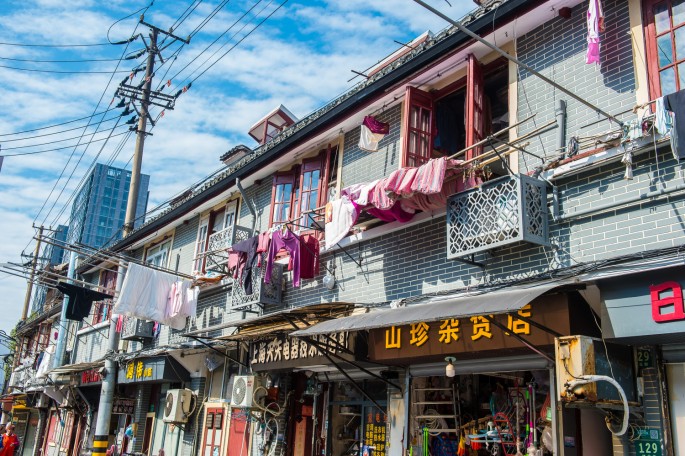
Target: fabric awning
[[80, 367], [456, 306]]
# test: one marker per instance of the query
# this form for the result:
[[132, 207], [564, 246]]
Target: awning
[[80, 367], [456, 306], [277, 322]]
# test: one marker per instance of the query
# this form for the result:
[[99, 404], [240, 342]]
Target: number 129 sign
[[648, 443]]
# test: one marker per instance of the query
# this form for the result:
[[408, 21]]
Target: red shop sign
[[670, 307]]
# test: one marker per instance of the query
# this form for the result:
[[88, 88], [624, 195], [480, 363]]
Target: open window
[[297, 193], [446, 121], [665, 42], [102, 310]]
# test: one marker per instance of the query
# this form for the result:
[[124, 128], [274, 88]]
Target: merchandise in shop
[[80, 300]]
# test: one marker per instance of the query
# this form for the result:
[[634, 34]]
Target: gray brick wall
[[183, 247], [360, 166], [557, 49], [92, 345], [260, 195]]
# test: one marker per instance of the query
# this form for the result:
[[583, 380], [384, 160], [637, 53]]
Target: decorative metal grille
[[263, 293], [498, 213], [136, 329], [218, 245]]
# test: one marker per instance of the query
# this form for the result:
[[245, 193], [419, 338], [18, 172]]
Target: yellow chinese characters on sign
[[518, 326], [393, 337], [129, 371], [139, 369], [419, 334], [449, 331], [481, 328]]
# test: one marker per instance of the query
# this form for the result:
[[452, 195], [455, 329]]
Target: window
[[297, 192], [443, 122], [159, 254], [665, 40], [102, 310], [201, 245], [214, 424]]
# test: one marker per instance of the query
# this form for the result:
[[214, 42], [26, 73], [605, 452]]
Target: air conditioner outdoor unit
[[583, 356], [244, 387], [178, 407]]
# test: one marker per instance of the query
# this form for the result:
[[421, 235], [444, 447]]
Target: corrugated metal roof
[[454, 306]]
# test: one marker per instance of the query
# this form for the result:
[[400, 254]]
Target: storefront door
[[213, 433], [675, 375], [238, 437]]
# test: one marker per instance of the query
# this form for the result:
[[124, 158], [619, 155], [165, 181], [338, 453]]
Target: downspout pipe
[[250, 205], [560, 114]]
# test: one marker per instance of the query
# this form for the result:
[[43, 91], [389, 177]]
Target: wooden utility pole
[[34, 265]]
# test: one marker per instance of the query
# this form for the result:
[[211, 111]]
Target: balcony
[[263, 293], [501, 212], [137, 329]]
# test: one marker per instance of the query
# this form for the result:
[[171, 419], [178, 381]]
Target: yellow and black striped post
[[99, 445]]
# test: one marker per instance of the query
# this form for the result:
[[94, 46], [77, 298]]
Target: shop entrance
[[493, 414]]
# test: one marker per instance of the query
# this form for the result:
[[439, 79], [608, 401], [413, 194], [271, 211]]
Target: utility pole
[[146, 97], [34, 265]]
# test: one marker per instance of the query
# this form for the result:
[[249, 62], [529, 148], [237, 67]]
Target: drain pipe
[[560, 114], [250, 205]]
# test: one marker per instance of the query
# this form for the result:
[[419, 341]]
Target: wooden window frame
[[653, 70], [214, 412], [416, 99], [296, 176], [103, 309], [160, 245], [199, 263]]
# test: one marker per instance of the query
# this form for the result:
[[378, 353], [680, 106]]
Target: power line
[[65, 147], [55, 133], [54, 142], [58, 61], [62, 72], [214, 42], [54, 45], [58, 124], [240, 40]]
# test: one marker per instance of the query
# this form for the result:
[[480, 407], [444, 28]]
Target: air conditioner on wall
[[244, 387], [580, 356], [179, 406]]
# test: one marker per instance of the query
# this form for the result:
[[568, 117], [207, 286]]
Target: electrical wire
[[54, 45], [61, 72], [240, 40], [55, 133], [62, 148], [60, 140], [57, 61], [58, 124]]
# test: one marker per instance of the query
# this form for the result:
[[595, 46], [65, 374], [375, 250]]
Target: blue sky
[[300, 57]]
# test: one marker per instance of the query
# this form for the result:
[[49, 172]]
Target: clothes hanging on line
[[395, 214], [595, 26], [309, 256], [242, 258], [80, 300], [371, 132], [675, 102], [340, 217], [262, 246], [284, 239], [182, 303], [145, 294]]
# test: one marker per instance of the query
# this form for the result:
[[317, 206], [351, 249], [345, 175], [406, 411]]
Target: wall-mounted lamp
[[449, 369]]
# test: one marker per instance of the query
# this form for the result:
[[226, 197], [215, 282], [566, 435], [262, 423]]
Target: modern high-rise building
[[99, 209]]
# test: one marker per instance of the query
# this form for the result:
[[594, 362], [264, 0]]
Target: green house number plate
[[648, 443]]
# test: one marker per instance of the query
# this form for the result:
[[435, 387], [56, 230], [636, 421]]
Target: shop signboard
[[470, 336], [155, 369], [283, 352], [647, 443], [123, 406], [90, 377], [649, 307]]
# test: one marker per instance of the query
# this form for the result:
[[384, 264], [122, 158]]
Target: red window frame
[[654, 68], [282, 200], [102, 310], [214, 421], [419, 127], [419, 120], [301, 178]]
